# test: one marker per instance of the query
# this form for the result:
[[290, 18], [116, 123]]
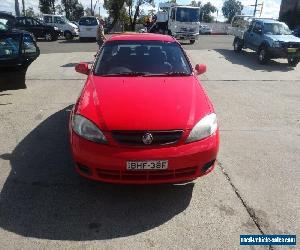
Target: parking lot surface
[[254, 188]]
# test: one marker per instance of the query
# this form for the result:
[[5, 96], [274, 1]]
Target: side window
[[9, 46], [29, 22], [56, 19], [173, 14], [48, 19], [28, 45], [35, 22], [21, 21], [257, 28], [251, 26]]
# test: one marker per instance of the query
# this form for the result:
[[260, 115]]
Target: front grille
[[291, 45], [135, 138], [146, 175]]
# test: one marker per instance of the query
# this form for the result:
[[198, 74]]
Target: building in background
[[290, 12]]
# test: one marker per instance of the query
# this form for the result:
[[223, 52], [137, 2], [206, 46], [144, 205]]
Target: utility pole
[[255, 7], [23, 5], [91, 7]]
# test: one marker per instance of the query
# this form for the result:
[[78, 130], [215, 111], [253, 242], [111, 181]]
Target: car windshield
[[6, 23], [9, 46], [142, 58], [88, 21], [3, 26], [187, 15], [277, 29]]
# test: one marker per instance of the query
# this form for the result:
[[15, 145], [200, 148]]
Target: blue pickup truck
[[270, 39]]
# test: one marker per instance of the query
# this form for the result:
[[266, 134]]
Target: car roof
[[266, 20], [88, 17], [141, 37]]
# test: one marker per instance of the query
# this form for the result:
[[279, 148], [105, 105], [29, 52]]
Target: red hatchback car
[[143, 117]]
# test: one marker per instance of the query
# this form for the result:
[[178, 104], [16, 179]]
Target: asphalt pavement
[[253, 190], [70, 46]]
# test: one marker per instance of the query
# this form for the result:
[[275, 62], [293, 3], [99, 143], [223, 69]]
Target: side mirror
[[200, 69], [82, 68]]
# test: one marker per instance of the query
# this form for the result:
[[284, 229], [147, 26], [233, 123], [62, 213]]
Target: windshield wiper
[[169, 74], [177, 74], [126, 74]]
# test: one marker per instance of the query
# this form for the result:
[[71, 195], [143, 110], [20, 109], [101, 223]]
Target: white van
[[88, 27], [69, 29]]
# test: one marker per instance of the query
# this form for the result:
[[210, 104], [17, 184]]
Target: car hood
[[72, 25], [143, 103], [284, 38]]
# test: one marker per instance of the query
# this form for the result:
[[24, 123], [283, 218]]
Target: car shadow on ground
[[12, 79], [249, 60], [78, 41], [44, 198], [70, 65]]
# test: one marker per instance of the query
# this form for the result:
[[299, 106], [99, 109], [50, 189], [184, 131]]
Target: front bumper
[[107, 163], [186, 36], [282, 53], [75, 33]]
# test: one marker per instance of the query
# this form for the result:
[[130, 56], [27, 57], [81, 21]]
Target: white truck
[[179, 21]]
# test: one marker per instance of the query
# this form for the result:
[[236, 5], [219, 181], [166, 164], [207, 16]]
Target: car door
[[21, 23], [48, 20], [38, 27], [30, 50], [257, 35], [58, 22]]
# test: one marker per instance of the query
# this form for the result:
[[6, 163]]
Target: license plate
[[147, 165], [88, 29], [292, 50]]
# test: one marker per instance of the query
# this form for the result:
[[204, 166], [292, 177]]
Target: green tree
[[88, 11], [30, 12], [58, 9], [73, 9], [115, 9], [194, 3], [206, 11], [47, 6], [231, 8]]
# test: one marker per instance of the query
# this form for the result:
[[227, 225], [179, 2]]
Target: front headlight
[[204, 128], [55, 28], [277, 44], [86, 129]]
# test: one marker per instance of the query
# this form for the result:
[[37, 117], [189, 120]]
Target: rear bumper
[[107, 163], [186, 36]]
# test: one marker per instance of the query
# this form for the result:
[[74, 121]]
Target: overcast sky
[[271, 7]]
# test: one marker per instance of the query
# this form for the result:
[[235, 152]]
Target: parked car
[[270, 39], [37, 28], [18, 48], [88, 27], [296, 32], [143, 116], [68, 29], [76, 23], [205, 30]]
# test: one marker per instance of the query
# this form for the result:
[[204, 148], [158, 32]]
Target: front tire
[[68, 35], [263, 55], [237, 46], [48, 37], [192, 41], [293, 62]]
